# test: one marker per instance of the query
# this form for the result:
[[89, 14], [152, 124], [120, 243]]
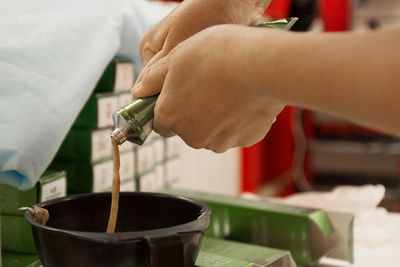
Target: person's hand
[[208, 97], [191, 17]]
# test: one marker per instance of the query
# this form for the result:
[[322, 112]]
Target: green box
[[106, 81], [16, 234], [308, 234], [219, 252], [11, 259], [48, 187], [118, 76], [86, 144], [97, 111], [85, 176], [11, 199]]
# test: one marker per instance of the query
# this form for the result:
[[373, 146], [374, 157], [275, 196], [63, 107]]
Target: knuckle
[[220, 147], [142, 43], [167, 120], [196, 143], [145, 49]]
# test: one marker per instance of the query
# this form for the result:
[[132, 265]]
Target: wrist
[[255, 56]]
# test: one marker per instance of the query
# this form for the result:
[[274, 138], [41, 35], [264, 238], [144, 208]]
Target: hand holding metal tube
[[134, 121]]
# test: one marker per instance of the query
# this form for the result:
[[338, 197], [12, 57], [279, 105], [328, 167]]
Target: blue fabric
[[52, 52]]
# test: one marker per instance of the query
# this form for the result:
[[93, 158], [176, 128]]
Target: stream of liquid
[[112, 220]]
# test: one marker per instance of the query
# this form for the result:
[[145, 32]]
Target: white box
[[101, 144], [174, 146], [105, 107], [53, 189], [145, 158], [127, 170], [102, 176], [148, 181], [124, 76], [158, 149], [124, 99], [128, 186]]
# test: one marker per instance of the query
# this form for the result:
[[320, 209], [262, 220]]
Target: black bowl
[[152, 230]]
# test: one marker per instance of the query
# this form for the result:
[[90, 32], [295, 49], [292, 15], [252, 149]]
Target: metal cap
[[119, 136]]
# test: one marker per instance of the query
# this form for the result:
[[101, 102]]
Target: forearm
[[356, 76]]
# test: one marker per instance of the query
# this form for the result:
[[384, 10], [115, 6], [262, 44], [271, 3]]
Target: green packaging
[[16, 235], [118, 76], [52, 184], [97, 111], [11, 259], [85, 176], [308, 234], [11, 199], [219, 252], [86, 144]]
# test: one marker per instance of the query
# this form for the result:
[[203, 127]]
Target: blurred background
[[304, 150], [307, 150]]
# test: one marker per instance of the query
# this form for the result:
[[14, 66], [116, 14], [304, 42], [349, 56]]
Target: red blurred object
[[278, 9], [278, 147], [336, 14], [271, 157], [251, 170]]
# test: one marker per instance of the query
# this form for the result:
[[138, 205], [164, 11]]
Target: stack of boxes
[[86, 153], [16, 235], [150, 162], [173, 162], [85, 157]]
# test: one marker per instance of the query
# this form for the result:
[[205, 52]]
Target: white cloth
[[376, 232], [52, 52]]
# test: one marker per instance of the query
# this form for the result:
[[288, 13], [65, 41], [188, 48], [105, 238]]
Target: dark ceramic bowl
[[152, 230]]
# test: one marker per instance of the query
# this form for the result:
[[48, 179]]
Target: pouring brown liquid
[[112, 220]]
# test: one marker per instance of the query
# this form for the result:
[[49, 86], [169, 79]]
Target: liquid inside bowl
[[139, 212]]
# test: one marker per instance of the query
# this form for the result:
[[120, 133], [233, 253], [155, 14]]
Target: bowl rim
[[198, 225]]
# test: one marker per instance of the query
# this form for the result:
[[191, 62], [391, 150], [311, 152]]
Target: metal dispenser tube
[[134, 121]]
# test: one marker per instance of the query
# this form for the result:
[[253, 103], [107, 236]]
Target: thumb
[[151, 79]]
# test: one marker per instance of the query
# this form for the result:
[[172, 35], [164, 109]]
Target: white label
[[128, 186], [158, 149], [147, 182], [105, 107], [159, 176], [145, 158], [173, 169], [102, 176], [126, 146], [54, 189], [124, 77], [124, 99], [174, 146], [127, 170], [101, 144]]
